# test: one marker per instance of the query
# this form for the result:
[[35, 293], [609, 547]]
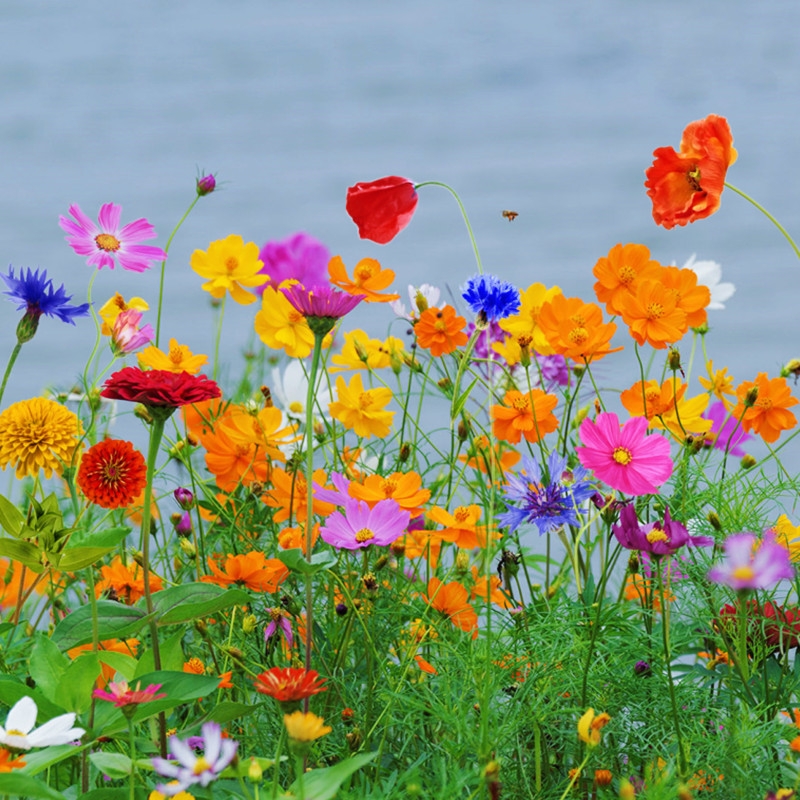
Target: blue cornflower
[[550, 504], [490, 297], [36, 294]]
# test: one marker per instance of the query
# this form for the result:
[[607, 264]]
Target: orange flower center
[[622, 456], [657, 536], [295, 317], [693, 178], [461, 514], [107, 242], [655, 311], [363, 273], [578, 336], [242, 450], [520, 403], [764, 403], [231, 264], [113, 471], [364, 400], [440, 326], [626, 274], [364, 535], [389, 487], [175, 355]]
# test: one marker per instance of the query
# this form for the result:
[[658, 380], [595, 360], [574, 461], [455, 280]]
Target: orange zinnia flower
[[125, 582], [440, 330], [620, 272], [368, 279], [770, 414], [529, 415], [289, 684], [575, 329], [686, 186], [112, 473], [692, 297], [288, 495], [253, 570], [461, 527], [451, 600], [653, 315], [402, 487]]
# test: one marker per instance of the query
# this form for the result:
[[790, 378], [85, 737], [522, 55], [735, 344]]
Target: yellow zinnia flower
[[305, 727], [115, 306], [361, 410], [589, 726], [282, 327], [38, 434], [179, 359], [230, 264]]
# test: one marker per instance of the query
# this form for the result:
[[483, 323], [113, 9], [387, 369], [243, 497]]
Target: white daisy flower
[[19, 734], [709, 273], [426, 293], [290, 389]]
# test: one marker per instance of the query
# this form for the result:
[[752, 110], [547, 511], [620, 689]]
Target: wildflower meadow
[[446, 563]]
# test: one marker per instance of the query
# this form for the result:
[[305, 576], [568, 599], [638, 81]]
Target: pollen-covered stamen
[[655, 311], [578, 336], [389, 487], [365, 400], [657, 535], [693, 178], [201, 766], [296, 407], [627, 274], [520, 403], [743, 574], [622, 456], [107, 242], [363, 272], [461, 514], [364, 535]]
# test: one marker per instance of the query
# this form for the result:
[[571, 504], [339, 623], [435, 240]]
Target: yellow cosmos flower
[[788, 535], [305, 727], [361, 352], [38, 434], [589, 726], [230, 265], [361, 410], [280, 326], [719, 383], [114, 307], [179, 359], [525, 323]]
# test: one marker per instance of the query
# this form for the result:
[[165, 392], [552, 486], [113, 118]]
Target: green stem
[[219, 336], [133, 759], [11, 361]]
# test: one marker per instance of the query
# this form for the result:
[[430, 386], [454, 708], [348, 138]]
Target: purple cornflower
[[490, 297], [361, 526], [749, 564], [660, 539], [278, 622], [548, 503], [127, 336], [726, 431], [108, 244], [192, 768], [322, 306], [299, 257], [483, 343]]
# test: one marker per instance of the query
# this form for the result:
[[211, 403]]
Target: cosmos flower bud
[[642, 668], [751, 397], [714, 521], [183, 525], [184, 498], [187, 547], [249, 623], [462, 561], [674, 359], [791, 368], [748, 462], [206, 185], [27, 327], [254, 772]]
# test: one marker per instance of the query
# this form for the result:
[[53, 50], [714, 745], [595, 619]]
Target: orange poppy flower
[[686, 186], [461, 527], [529, 415], [770, 414], [369, 278], [693, 297], [402, 487], [494, 593], [653, 315], [621, 271], [253, 570], [288, 495], [575, 329], [440, 330], [125, 582], [450, 599]]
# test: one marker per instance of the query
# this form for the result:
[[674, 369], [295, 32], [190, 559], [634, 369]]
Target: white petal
[[22, 716], [58, 730]]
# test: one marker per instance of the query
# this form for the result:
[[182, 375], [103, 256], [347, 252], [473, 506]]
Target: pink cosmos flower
[[122, 695], [108, 244], [659, 538], [625, 458], [299, 257], [361, 526], [127, 336], [750, 565], [321, 301]]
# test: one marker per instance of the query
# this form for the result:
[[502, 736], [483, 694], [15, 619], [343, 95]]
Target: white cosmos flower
[[290, 390], [430, 294], [709, 273], [19, 733]]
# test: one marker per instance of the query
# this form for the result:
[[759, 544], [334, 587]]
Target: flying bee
[[510, 215]]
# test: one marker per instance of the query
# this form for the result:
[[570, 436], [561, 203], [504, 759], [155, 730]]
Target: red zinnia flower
[[381, 208], [158, 388], [112, 473], [289, 684]]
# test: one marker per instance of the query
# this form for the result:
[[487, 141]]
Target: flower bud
[[751, 397], [183, 525], [791, 368], [674, 359], [642, 668], [187, 547], [254, 772], [462, 561], [714, 521], [626, 790], [184, 498], [381, 562], [249, 623], [602, 777], [748, 462], [27, 327], [205, 185], [405, 452]]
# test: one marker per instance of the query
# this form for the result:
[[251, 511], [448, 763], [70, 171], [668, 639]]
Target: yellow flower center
[[622, 456], [201, 766], [231, 264], [364, 535], [107, 242], [296, 407], [520, 403], [578, 336], [764, 403], [657, 535], [14, 732], [744, 573], [176, 355], [295, 317], [626, 274], [655, 311], [242, 450]]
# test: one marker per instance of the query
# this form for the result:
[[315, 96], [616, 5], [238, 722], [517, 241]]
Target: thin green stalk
[[11, 361], [133, 758], [219, 336]]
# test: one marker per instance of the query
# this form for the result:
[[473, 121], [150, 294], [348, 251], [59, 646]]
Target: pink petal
[[109, 217]]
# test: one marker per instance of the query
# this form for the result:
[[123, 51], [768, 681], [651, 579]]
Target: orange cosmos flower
[[494, 593], [112, 473], [360, 409], [769, 414], [233, 462], [16, 578], [653, 315], [288, 495], [461, 527], [480, 456], [253, 570], [263, 430], [9, 760], [525, 323], [450, 599], [620, 272], [440, 330], [402, 487], [199, 418], [529, 415], [420, 542], [665, 407], [294, 538], [686, 186], [368, 279], [125, 582], [692, 298], [575, 329], [718, 383]]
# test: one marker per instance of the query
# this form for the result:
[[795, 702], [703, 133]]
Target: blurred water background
[[549, 109]]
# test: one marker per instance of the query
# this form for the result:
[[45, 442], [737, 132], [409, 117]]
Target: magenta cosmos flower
[[108, 244], [299, 257], [361, 526], [750, 565], [322, 306], [659, 538], [625, 458]]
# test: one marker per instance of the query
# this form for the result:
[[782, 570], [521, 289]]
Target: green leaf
[[24, 552], [75, 558], [115, 621], [79, 680], [11, 518], [296, 561], [13, 784], [322, 784], [225, 712], [39, 760], [192, 601], [48, 665], [460, 402], [11, 690], [115, 765], [110, 537], [171, 653], [122, 663]]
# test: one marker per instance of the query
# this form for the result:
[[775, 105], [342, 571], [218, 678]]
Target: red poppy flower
[[158, 388], [289, 684], [112, 473], [686, 186], [381, 208]]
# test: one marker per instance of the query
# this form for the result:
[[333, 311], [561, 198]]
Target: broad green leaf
[[79, 680], [14, 784], [39, 760], [322, 784], [48, 665], [24, 552], [296, 561], [115, 621], [115, 765], [241, 768], [194, 600], [459, 403], [11, 690], [226, 711], [110, 537], [171, 653], [74, 558], [11, 518], [122, 663]]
